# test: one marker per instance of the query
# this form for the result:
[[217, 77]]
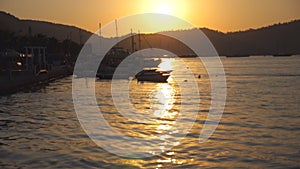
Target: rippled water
[[260, 126]]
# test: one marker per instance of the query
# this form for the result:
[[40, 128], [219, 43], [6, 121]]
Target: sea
[[259, 127]]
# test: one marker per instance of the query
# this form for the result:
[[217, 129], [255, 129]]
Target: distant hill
[[279, 39], [276, 39], [61, 32]]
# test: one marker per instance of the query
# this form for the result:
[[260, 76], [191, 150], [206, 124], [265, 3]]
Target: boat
[[188, 56], [112, 60], [282, 54], [153, 75], [19, 71], [238, 55], [110, 63]]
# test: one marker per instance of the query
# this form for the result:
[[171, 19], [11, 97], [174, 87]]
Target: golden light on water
[[162, 101], [166, 64]]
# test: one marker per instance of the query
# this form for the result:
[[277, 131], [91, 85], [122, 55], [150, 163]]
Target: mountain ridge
[[59, 31], [276, 39]]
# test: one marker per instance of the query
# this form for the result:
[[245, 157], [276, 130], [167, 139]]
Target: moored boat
[[153, 75]]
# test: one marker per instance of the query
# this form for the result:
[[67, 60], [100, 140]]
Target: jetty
[[24, 70]]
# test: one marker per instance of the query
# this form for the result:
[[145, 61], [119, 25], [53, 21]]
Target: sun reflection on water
[[160, 106], [162, 101], [166, 64]]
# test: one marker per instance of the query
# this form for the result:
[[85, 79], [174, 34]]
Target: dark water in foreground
[[260, 127]]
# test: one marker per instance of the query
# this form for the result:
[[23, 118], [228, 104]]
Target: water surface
[[260, 126]]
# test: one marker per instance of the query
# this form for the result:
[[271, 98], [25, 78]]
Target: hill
[[282, 38], [277, 39], [61, 32]]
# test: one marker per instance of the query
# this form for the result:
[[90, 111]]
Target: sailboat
[[112, 60]]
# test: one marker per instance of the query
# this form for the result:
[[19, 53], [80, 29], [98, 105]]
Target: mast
[[100, 29], [132, 42], [140, 44], [116, 23], [117, 35], [100, 33], [80, 37]]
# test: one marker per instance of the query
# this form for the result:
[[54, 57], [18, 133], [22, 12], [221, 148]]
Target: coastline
[[15, 81]]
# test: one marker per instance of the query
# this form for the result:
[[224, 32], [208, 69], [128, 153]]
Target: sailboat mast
[[132, 42], [116, 22], [140, 44], [100, 29], [80, 37]]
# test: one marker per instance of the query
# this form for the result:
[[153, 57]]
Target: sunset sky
[[222, 15]]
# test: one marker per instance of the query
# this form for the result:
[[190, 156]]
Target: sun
[[164, 9], [169, 7]]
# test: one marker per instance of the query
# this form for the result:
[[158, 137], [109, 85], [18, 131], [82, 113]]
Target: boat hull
[[153, 78]]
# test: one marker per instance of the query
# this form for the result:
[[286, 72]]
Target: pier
[[24, 70]]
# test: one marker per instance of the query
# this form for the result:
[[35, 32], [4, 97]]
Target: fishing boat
[[153, 75]]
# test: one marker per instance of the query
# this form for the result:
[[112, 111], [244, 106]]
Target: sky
[[222, 15]]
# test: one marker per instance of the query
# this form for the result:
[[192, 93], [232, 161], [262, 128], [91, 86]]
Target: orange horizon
[[225, 16]]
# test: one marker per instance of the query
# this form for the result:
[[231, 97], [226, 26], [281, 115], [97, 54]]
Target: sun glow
[[164, 9], [169, 7]]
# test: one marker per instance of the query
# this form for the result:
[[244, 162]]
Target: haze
[[225, 15]]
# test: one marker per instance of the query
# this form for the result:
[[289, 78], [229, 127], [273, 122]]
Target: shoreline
[[15, 81]]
